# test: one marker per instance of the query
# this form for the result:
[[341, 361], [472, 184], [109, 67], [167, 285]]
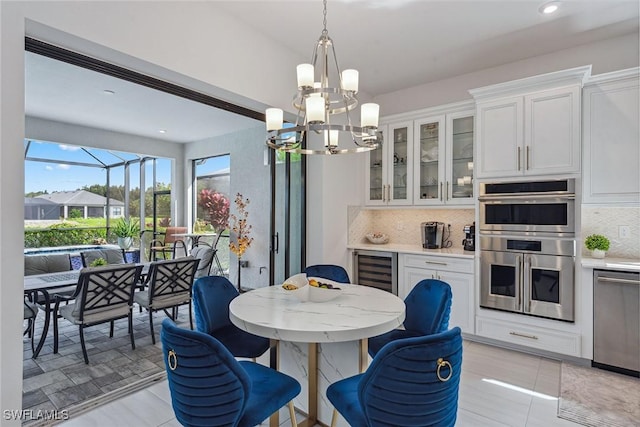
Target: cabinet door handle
[[435, 262], [527, 158], [388, 193], [518, 334], [518, 158], [446, 191], [441, 194]]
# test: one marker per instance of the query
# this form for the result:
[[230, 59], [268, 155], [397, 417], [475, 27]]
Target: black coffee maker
[[469, 241]]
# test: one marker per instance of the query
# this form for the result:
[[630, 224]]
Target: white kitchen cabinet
[[443, 156], [456, 271], [611, 138], [390, 167], [530, 127]]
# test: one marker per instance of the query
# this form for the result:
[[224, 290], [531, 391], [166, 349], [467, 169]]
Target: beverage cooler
[[376, 269]]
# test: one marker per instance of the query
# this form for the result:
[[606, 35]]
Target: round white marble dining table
[[341, 326], [358, 312]]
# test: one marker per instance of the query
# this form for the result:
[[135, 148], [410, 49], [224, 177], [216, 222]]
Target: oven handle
[[519, 285], [560, 197], [526, 279]]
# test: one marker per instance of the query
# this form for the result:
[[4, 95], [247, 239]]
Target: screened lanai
[[84, 190]]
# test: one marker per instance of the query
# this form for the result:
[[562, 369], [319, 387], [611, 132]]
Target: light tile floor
[[522, 391]]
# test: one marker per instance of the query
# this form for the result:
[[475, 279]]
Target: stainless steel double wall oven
[[527, 244]]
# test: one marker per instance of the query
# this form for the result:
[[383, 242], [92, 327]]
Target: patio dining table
[[46, 285]]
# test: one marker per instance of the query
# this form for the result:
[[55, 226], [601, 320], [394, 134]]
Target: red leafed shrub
[[216, 207]]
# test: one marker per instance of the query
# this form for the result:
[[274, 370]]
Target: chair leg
[[55, 332], [190, 316], [292, 414], [153, 337], [111, 329], [133, 341], [84, 349], [334, 417]]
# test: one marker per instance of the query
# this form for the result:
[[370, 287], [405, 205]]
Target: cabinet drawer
[[440, 263], [529, 336]]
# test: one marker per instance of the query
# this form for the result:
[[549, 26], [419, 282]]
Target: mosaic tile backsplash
[[606, 221], [403, 225]]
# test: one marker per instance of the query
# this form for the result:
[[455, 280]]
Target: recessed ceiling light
[[162, 131], [108, 92], [549, 7]]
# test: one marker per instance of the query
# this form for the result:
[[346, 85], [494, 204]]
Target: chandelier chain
[[324, 19]]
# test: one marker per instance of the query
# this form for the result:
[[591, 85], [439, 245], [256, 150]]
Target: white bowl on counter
[[377, 238]]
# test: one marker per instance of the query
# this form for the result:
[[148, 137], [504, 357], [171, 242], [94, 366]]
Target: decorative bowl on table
[[377, 238], [313, 290]]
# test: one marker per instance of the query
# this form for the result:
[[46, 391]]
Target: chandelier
[[316, 101]]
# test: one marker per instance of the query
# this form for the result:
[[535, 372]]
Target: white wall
[[250, 176], [609, 55]]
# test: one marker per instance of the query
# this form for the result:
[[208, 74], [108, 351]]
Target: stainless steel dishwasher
[[616, 321]]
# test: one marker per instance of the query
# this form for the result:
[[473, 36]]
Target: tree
[[216, 207]]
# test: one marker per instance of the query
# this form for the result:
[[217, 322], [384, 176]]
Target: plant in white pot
[[126, 229], [597, 244]]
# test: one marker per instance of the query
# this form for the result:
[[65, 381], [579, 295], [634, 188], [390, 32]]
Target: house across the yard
[[60, 204]]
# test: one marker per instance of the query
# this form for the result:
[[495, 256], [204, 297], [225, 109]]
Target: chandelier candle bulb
[[274, 118], [350, 80], [331, 138], [315, 109], [305, 75], [369, 115]]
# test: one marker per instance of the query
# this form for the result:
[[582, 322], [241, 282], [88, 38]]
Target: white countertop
[[412, 249], [622, 264], [359, 312]]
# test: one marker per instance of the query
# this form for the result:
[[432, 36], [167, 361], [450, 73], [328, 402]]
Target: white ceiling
[[394, 44]]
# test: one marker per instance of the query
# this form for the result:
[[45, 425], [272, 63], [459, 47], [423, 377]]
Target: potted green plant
[[126, 229], [597, 244], [98, 262]]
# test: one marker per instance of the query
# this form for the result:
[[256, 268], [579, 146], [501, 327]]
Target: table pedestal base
[[316, 366]]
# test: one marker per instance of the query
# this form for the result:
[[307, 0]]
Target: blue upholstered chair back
[[401, 386], [208, 386], [328, 271], [428, 307], [211, 298]]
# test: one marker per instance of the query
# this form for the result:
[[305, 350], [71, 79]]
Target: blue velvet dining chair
[[428, 307], [211, 298], [209, 387], [328, 271], [411, 382]]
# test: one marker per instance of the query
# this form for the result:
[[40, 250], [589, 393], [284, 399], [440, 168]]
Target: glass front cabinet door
[[444, 160], [460, 152], [429, 154], [389, 167]]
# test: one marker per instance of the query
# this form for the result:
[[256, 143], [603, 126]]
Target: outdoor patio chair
[[104, 294], [204, 254], [111, 256], [169, 286], [30, 315], [43, 264], [171, 245]]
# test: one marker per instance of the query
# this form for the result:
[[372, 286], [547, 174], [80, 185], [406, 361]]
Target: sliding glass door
[[287, 215]]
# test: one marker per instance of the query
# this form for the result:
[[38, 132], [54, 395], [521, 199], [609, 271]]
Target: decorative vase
[[598, 253], [125, 242]]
